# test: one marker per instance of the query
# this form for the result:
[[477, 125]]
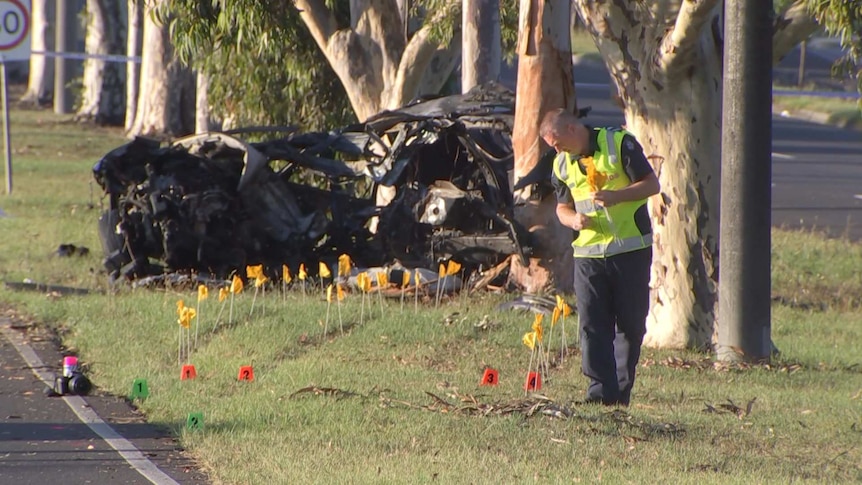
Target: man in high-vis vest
[[602, 180]]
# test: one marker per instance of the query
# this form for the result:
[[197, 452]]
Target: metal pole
[[6, 138], [746, 184], [800, 80]]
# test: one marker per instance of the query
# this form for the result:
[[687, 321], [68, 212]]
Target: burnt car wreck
[[419, 185]]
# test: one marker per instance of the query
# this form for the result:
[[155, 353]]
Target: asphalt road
[[817, 177], [74, 439]]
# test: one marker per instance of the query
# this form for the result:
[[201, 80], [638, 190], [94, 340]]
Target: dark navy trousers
[[613, 301]]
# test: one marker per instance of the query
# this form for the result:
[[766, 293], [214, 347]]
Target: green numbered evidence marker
[[140, 390], [195, 421]]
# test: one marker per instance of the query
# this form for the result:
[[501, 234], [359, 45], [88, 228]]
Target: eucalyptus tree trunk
[[133, 49], [545, 82], [166, 100], [202, 111], [103, 97], [40, 84]]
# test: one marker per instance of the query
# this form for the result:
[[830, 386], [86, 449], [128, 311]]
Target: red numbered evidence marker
[[490, 377], [246, 373], [534, 381], [188, 372]]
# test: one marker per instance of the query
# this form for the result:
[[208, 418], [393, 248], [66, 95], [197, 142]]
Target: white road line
[[79, 406], [782, 156]]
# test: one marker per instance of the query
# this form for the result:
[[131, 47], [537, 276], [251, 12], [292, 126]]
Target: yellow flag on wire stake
[[339, 295], [236, 285], [441, 278], [235, 289], [364, 283], [416, 293], [223, 293], [203, 294], [405, 282], [529, 339], [260, 280], [382, 282], [328, 304], [344, 265], [302, 275]]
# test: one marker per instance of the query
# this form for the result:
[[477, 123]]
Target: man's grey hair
[[555, 120]]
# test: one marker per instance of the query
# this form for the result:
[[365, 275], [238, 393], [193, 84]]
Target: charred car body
[[419, 185]]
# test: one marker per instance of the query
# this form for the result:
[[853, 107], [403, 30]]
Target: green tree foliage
[[843, 19], [264, 67]]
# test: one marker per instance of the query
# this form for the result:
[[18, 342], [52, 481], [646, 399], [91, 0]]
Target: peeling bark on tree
[[103, 98], [40, 84], [684, 148], [545, 82], [167, 101]]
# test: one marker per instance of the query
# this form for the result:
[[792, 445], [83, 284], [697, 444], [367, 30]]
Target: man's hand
[[643, 188], [606, 198], [581, 221], [569, 217]]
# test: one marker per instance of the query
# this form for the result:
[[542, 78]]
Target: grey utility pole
[[746, 184]]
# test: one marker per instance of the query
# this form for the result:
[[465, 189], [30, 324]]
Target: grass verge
[[396, 398], [842, 112]]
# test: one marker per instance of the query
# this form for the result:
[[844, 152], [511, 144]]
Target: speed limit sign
[[15, 30]]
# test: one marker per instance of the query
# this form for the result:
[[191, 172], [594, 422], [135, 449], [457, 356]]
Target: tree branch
[[348, 54], [380, 27], [791, 27], [663, 12], [320, 22], [418, 54], [680, 44]]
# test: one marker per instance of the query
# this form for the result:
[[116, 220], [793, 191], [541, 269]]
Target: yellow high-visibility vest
[[613, 230]]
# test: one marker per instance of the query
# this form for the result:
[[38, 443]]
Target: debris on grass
[[731, 408]]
